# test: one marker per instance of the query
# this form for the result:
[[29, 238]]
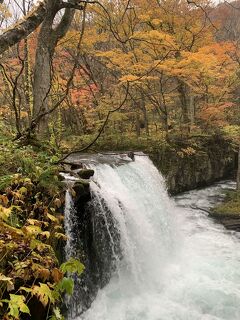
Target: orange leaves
[[154, 37], [57, 275], [216, 115], [209, 68]]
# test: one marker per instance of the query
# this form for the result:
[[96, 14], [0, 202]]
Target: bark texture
[[23, 28], [238, 171], [47, 41]]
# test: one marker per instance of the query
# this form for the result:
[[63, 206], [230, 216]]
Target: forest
[[92, 76]]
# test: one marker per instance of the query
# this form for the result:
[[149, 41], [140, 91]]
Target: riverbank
[[228, 212]]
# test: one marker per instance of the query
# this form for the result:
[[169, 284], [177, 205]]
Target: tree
[[238, 171]]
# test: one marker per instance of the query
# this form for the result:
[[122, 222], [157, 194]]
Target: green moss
[[230, 207]]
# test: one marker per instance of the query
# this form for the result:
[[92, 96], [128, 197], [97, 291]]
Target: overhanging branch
[[22, 29], [102, 127]]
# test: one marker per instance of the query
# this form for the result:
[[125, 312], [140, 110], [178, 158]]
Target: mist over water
[[176, 263]]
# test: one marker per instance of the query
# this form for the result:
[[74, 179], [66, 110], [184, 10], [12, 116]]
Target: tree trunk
[[238, 170], [27, 81], [191, 109], [164, 119], [47, 41], [184, 102], [137, 124], [144, 111]]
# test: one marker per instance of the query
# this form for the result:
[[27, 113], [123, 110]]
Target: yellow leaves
[[32, 230], [57, 203], [129, 78], [161, 36], [117, 59], [4, 200], [5, 213], [137, 79], [60, 236], [23, 190], [210, 66], [156, 22], [51, 217], [39, 245], [44, 293], [34, 222], [45, 234], [189, 151], [8, 281], [16, 304], [156, 38], [144, 17], [13, 232]]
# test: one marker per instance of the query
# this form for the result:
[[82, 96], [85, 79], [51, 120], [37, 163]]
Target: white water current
[[177, 263]]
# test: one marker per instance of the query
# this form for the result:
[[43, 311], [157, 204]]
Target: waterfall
[[159, 258], [69, 222]]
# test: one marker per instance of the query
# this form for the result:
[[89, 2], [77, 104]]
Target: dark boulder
[[86, 173]]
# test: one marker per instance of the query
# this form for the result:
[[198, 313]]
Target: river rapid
[[176, 263]]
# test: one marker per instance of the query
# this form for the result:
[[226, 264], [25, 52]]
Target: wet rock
[[213, 159], [229, 223], [76, 166], [86, 173], [66, 167], [131, 155], [81, 191]]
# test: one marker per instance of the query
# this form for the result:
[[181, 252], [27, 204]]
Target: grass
[[230, 208]]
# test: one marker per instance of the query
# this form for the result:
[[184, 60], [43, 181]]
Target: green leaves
[[66, 285], [56, 315], [30, 227], [16, 304], [72, 266]]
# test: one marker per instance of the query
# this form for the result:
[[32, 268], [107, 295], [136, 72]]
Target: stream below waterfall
[[176, 263]]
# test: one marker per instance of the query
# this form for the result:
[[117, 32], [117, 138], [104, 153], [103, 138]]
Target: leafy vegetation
[[31, 228], [88, 75]]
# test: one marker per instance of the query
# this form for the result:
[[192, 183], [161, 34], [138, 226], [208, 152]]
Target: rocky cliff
[[195, 163]]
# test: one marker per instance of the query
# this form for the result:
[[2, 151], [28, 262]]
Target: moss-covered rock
[[81, 191], [230, 208], [228, 212], [86, 173]]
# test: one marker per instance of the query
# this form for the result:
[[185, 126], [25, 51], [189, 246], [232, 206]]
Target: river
[[176, 262]]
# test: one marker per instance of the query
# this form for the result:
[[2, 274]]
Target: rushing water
[[176, 263]]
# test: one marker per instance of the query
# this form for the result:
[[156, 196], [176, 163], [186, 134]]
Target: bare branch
[[102, 127], [68, 5]]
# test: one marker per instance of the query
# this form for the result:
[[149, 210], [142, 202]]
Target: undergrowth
[[31, 233]]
